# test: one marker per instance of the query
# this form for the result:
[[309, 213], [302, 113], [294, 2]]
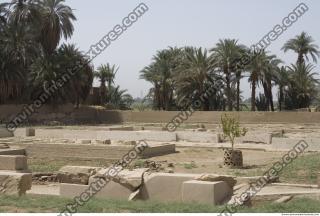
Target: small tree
[[231, 128]]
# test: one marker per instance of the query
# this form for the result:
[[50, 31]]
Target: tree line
[[181, 75], [32, 56]]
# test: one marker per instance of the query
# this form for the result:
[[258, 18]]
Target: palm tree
[[79, 85], [194, 76], [267, 77], [106, 74], [303, 86], [119, 98], [304, 46], [160, 73], [259, 63], [281, 79], [225, 54], [56, 22]]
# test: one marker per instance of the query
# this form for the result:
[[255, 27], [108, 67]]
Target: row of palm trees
[[181, 75], [32, 59]]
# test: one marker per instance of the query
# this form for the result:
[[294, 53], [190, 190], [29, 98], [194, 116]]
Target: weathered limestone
[[161, 136], [83, 141], [76, 174], [12, 151], [319, 180], [103, 142], [30, 132], [205, 192], [164, 187], [13, 162], [121, 129], [131, 179], [13, 183], [158, 150], [251, 137], [203, 137], [111, 190], [230, 181], [5, 133]]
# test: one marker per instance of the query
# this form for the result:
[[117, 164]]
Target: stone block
[[13, 162], [103, 142], [161, 136], [121, 129], [13, 183], [204, 192], [203, 137], [76, 174], [111, 190], [153, 151], [12, 151], [83, 141], [165, 187], [30, 132]]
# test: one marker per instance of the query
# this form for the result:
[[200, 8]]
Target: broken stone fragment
[[131, 179], [213, 178], [240, 196], [76, 174], [13, 183]]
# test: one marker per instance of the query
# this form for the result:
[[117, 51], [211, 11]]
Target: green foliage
[[41, 204], [231, 128]]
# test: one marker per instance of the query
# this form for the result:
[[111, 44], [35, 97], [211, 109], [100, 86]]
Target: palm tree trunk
[[300, 60], [280, 98], [229, 101], [238, 94], [253, 96], [266, 93], [271, 97]]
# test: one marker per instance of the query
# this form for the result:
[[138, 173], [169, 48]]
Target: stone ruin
[[15, 178]]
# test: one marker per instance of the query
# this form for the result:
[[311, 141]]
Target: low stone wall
[[67, 114]]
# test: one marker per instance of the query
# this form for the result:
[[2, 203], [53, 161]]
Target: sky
[[184, 23]]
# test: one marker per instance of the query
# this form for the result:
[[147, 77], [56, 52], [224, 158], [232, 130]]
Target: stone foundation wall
[[97, 115]]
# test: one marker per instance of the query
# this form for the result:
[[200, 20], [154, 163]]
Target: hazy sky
[[184, 22]]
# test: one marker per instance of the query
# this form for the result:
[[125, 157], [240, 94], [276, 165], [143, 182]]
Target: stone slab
[[30, 132], [13, 183], [203, 192], [112, 190], [13, 162], [12, 152], [76, 174], [121, 129], [190, 136], [165, 187], [159, 150]]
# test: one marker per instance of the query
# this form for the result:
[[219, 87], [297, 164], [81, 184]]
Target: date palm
[[281, 79], [56, 22], [259, 63], [195, 75], [304, 46], [225, 54], [303, 86], [105, 74]]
